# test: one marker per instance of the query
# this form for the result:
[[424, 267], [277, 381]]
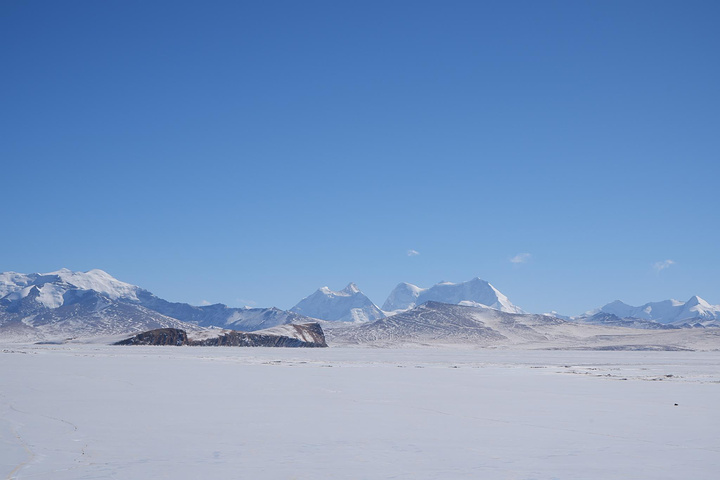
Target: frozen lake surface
[[90, 412]]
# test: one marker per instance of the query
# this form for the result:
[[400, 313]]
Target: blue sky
[[251, 152]]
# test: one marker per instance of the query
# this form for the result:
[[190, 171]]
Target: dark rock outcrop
[[160, 336], [308, 335]]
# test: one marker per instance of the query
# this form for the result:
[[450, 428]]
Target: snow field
[[89, 411]]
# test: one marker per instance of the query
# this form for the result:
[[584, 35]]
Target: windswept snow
[[85, 412]]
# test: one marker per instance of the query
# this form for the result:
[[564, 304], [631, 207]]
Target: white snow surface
[[12, 281], [346, 305], [79, 412], [51, 295], [473, 292]]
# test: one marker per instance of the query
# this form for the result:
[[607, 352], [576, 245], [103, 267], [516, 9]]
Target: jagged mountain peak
[[350, 289], [346, 305], [696, 301]]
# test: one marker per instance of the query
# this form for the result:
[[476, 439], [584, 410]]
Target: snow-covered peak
[[619, 308], [697, 301], [476, 291], [696, 307], [348, 305], [53, 286], [402, 296], [348, 291], [99, 281]]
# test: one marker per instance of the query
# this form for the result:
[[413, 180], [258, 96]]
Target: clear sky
[[251, 152]]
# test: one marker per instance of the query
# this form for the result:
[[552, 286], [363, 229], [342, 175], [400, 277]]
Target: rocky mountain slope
[[436, 323], [89, 314]]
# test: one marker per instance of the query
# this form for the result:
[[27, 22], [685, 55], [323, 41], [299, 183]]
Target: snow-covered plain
[[93, 411]]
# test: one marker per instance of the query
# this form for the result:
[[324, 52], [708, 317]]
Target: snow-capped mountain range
[[351, 305], [694, 312], [475, 292], [65, 304]]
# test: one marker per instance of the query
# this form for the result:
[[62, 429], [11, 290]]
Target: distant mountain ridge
[[220, 315], [475, 292], [437, 324], [695, 312]]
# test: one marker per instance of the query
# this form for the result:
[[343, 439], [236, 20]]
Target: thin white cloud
[[412, 253], [520, 258], [246, 302], [205, 303], [660, 266]]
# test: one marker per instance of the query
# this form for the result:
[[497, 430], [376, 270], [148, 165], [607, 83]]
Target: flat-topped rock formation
[[308, 335]]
